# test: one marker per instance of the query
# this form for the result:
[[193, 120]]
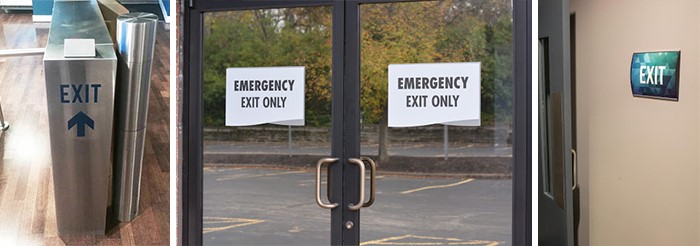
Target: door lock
[[349, 225]]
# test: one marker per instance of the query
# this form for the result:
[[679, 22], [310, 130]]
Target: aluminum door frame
[[345, 138], [555, 222]]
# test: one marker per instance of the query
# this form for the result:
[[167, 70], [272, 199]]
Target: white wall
[[643, 155], [582, 147]]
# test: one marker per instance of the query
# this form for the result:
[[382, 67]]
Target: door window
[[257, 183], [441, 183]]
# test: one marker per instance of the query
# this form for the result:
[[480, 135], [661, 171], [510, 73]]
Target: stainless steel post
[[3, 124], [80, 101], [136, 33]]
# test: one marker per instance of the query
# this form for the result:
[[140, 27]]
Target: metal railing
[[16, 52], [22, 52]]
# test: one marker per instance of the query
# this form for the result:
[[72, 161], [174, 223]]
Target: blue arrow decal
[[81, 119]]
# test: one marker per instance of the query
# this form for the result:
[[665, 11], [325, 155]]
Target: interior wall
[[643, 155]]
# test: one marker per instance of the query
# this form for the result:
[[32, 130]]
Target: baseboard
[[41, 18]]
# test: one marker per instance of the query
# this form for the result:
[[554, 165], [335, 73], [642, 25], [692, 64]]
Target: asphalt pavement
[[255, 206]]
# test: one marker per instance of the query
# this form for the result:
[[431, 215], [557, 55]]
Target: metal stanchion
[[136, 33], [3, 124]]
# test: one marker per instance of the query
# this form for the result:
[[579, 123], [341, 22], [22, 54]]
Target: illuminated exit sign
[[656, 74]]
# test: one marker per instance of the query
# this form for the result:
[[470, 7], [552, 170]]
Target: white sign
[[259, 95], [435, 93], [78, 47]]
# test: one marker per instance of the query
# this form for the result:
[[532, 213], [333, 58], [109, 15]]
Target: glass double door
[[297, 138]]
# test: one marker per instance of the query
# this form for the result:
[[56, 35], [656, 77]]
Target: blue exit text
[[80, 93]]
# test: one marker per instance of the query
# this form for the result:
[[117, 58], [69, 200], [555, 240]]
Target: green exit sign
[[656, 74]]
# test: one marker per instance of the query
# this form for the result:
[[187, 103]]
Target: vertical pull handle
[[361, 165], [372, 171], [318, 182], [575, 157]]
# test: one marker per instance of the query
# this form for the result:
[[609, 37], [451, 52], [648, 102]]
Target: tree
[[269, 37], [410, 32], [391, 33], [427, 32]]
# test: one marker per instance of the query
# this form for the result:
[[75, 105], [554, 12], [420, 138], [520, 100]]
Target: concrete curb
[[379, 172]]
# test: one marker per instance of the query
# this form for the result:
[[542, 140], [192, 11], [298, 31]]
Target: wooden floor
[[27, 209]]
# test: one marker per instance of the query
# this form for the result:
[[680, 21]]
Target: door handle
[[372, 171], [320, 163], [573, 152], [361, 165]]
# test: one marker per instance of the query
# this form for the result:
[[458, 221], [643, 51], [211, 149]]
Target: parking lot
[[256, 206]]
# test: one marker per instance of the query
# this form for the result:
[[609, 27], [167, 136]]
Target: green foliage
[[412, 32], [273, 37]]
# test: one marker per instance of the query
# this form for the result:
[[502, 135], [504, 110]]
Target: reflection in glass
[[257, 190], [433, 196]]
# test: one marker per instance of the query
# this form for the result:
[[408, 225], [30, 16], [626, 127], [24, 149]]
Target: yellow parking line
[[450, 241], [383, 240], [438, 186], [234, 222], [484, 243]]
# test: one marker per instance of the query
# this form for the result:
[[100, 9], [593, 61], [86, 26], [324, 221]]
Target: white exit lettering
[[655, 75]]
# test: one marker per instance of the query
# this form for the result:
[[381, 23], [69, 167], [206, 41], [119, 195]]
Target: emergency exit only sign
[[260, 95], [435, 93]]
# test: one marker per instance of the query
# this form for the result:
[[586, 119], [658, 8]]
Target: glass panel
[[551, 115], [439, 184], [543, 117], [258, 180]]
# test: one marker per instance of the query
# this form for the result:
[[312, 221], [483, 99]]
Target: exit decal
[[656, 74], [81, 94]]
